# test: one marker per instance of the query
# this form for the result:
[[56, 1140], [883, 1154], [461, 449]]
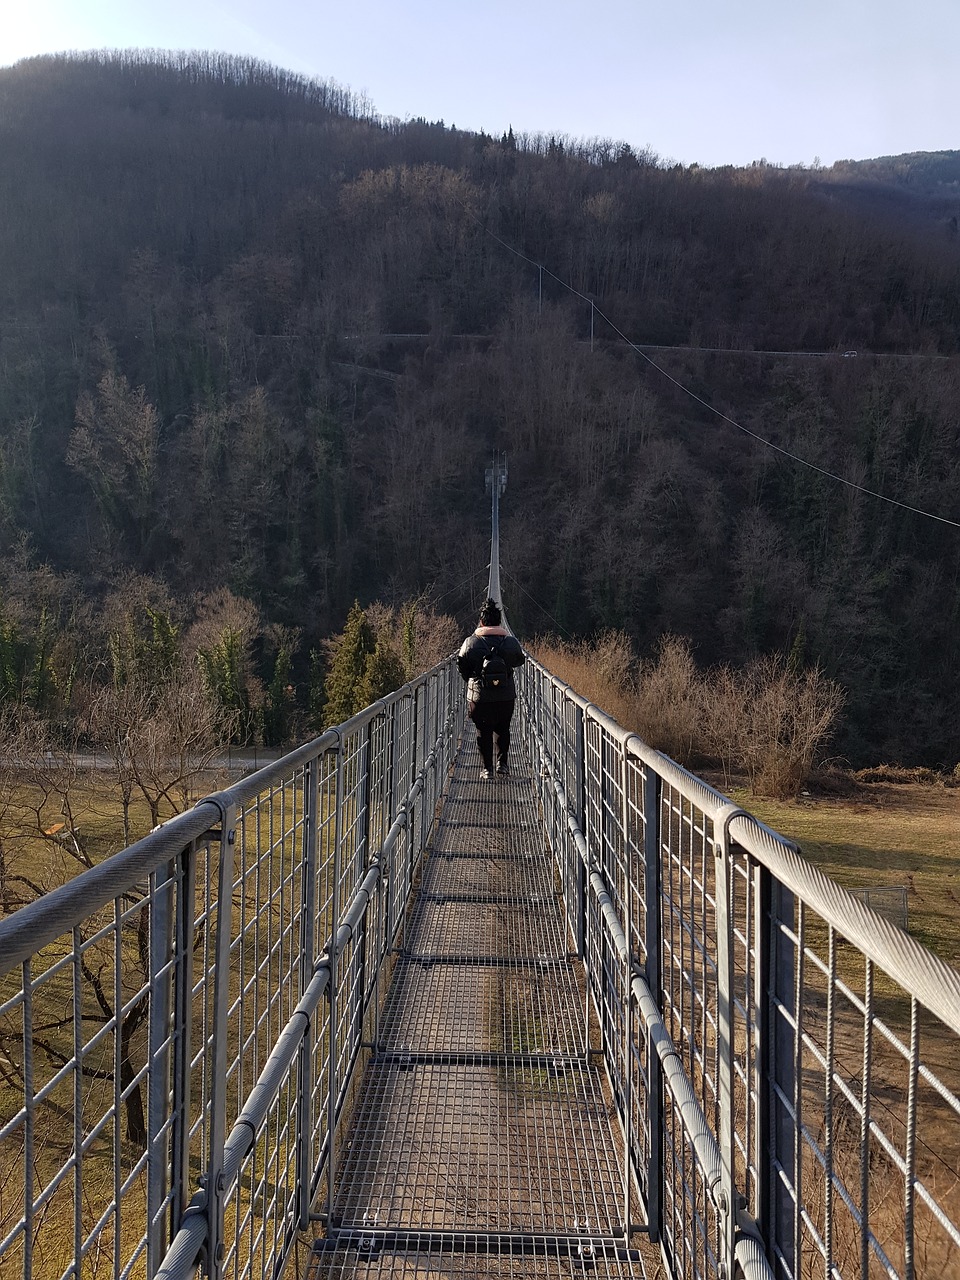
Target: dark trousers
[[492, 719]]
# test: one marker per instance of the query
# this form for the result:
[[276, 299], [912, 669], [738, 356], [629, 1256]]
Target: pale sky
[[711, 81]]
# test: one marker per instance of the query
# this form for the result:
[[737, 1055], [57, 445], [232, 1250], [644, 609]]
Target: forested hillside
[[210, 272]]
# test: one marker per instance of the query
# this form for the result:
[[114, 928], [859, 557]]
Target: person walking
[[486, 660]]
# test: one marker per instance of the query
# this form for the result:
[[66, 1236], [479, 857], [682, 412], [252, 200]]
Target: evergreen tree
[[12, 659], [145, 651], [382, 674], [42, 683], [223, 669], [316, 696], [36, 667], [410, 640], [348, 667], [163, 644], [278, 706]]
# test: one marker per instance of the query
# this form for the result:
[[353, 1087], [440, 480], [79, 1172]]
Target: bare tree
[[156, 717], [43, 843], [160, 741], [41, 811], [115, 447]]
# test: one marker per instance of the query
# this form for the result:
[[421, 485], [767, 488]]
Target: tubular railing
[[181, 1028], [785, 1062]]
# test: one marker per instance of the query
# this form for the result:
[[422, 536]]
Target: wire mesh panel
[[784, 1061], [874, 1107], [182, 1027], [886, 900], [689, 949], [91, 1035], [464, 1010]]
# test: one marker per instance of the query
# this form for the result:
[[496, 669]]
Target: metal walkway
[[484, 1140]]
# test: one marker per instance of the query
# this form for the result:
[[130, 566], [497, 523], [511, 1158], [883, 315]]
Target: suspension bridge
[[364, 1015]]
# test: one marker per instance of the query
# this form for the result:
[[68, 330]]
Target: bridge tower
[[496, 484]]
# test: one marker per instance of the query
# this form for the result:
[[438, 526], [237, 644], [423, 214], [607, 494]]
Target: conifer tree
[[278, 704], [410, 640], [144, 650], [28, 671], [11, 662], [222, 667], [163, 644], [41, 682], [316, 696], [382, 674], [347, 669]]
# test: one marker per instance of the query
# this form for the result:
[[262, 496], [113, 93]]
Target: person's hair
[[490, 614]]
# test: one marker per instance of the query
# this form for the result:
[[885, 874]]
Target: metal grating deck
[[483, 1142], [540, 1260]]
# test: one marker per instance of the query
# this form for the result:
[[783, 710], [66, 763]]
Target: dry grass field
[[883, 834], [54, 825]]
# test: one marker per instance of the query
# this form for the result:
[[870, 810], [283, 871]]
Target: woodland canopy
[[257, 341]]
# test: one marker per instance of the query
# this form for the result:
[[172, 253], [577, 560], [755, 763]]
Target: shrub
[[670, 702], [767, 720], [601, 670], [897, 773], [770, 721]]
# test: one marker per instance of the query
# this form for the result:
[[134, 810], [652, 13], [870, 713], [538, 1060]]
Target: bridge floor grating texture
[[483, 1141]]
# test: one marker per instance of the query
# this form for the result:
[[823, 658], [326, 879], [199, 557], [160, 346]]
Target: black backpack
[[494, 669]]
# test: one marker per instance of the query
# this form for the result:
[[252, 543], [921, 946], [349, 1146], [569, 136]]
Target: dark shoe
[[485, 775], [502, 771]]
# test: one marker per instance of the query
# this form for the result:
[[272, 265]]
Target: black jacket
[[470, 662]]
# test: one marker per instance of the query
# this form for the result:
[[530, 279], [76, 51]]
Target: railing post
[[415, 730], [363, 856], [629, 1037], [393, 915], [183, 1023], [580, 791], [221, 1005], [723, 894], [775, 1001], [334, 987], [361, 948], [653, 972], [308, 944], [158, 1056]]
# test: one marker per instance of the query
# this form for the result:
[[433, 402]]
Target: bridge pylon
[[496, 483]]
